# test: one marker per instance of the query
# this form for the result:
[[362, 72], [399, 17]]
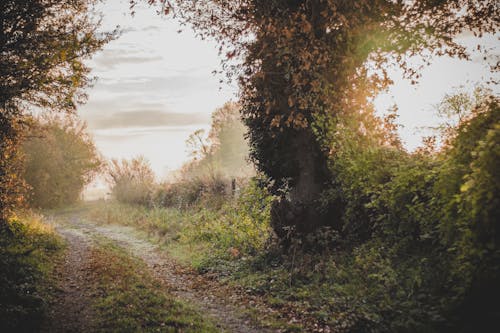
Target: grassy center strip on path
[[138, 287], [103, 288], [129, 299]]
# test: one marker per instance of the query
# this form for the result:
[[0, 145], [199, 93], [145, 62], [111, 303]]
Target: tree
[[201, 152], [457, 108], [132, 180], [224, 151], [311, 67], [59, 160], [43, 44], [231, 147]]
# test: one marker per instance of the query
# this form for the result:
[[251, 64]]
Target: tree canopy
[[224, 151], [60, 158], [43, 45]]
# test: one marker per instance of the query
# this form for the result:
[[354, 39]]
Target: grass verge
[[27, 249]]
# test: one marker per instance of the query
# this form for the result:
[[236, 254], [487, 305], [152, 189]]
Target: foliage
[[469, 188], [227, 133], [436, 230], [218, 165], [389, 240], [42, 51], [417, 251], [189, 192], [27, 247], [230, 148], [59, 160], [132, 180], [11, 185], [456, 108], [238, 228], [307, 64]]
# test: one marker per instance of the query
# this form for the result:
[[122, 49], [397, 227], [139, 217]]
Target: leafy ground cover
[[28, 248]]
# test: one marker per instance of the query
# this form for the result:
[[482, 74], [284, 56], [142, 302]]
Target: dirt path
[[70, 310], [217, 301]]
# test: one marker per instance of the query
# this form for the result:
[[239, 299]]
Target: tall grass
[[237, 227]]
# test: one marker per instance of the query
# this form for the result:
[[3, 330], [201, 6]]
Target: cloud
[[151, 28], [176, 85], [145, 118], [132, 133], [154, 84], [110, 59], [126, 29]]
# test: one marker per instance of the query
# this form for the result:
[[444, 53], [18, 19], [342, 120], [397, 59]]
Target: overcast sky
[[156, 86]]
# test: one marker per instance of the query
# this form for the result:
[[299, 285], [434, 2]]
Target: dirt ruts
[[71, 310]]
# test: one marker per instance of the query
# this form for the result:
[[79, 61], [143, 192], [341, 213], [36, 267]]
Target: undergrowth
[[237, 229], [418, 250], [27, 249]]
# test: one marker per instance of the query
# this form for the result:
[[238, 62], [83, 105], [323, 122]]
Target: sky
[[155, 86]]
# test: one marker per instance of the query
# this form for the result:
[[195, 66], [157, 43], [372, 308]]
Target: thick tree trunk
[[300, 211]]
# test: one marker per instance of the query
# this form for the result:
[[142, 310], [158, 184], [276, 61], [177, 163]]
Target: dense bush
[[188, 192], [240, 225], [430, 220], [60, 159], [12, 187]]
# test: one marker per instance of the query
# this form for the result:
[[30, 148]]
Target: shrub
[[434, 217], [131, 181], [188, 192], [239, 228]]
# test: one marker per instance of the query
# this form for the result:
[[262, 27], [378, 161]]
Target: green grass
[[342, 289], [130, 300], [196, 235], [216, 241], [163, 224], [349, 289], [28, 246]]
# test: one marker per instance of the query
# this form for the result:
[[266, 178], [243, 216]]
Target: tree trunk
[[300, 212]]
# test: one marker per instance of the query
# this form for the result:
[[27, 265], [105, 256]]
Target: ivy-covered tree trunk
[[282, 103], [295, 209], [307, 65], [300, 211]]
